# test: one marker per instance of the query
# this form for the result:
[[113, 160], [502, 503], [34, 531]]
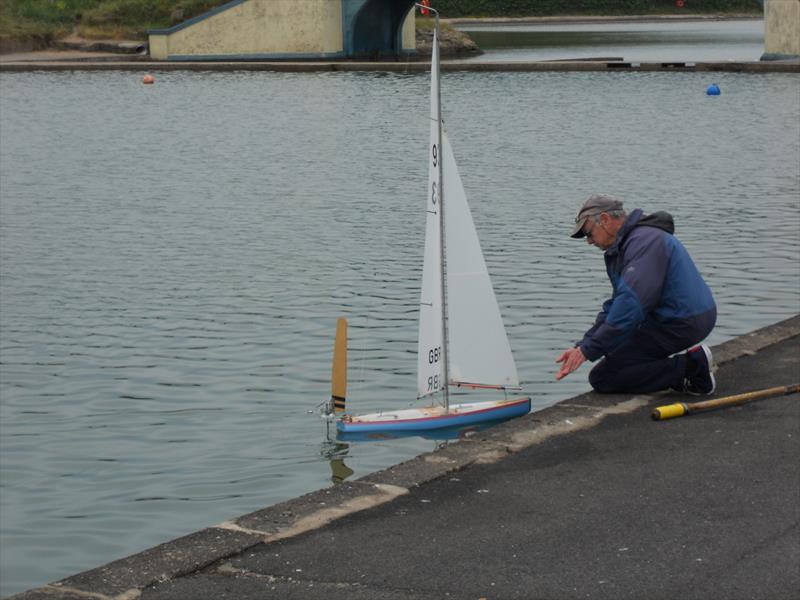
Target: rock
[[452, 43]]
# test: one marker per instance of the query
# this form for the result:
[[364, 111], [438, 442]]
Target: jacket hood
[[660, 220]]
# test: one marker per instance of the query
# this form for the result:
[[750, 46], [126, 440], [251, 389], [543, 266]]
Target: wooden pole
[[681, 408], [339, 368]]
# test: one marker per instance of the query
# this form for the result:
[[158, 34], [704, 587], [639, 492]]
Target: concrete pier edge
[[124, 579], [113, 63]]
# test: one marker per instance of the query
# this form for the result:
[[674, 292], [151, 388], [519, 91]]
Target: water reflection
[[336, 447], [335, 452]]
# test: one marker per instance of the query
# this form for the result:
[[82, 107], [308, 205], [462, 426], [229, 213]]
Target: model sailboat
[[462, 340]]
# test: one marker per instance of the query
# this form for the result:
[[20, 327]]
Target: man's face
[[597, 233]]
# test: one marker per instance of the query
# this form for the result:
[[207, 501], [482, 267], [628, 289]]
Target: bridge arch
[[374, 27]]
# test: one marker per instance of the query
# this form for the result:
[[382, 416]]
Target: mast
[[443, 244]]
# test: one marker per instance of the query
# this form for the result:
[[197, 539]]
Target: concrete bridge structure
[[291, 29], [781, 29]]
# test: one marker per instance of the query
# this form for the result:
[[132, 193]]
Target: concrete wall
[[781, 29], [255, 28], [265, 29]]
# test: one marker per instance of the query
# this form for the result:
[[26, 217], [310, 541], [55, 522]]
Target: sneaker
[[699, 377]]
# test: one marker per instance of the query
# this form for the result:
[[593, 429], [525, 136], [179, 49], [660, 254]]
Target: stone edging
[[139, 63], [125, 578]]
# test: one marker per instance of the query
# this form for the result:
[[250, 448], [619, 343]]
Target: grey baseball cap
[[596, 204]]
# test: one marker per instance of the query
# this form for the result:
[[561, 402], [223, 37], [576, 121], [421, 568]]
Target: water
[[174, 258], [656, 41]]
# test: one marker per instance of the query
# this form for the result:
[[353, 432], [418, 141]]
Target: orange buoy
[[148, 79]]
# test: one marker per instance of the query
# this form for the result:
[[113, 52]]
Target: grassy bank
[[46, 20]]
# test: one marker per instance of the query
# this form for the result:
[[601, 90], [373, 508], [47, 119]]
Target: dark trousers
[[644, 362]]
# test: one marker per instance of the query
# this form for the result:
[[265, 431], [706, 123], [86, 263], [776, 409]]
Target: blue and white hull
[[435, 417]]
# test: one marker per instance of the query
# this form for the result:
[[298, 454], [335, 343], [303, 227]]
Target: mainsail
[[475, 344], [430, 348]]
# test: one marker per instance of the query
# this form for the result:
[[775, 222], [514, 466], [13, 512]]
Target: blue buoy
[[712, 90]]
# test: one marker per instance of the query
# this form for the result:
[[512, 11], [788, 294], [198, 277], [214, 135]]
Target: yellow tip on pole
[[680, 409], [670, 411]]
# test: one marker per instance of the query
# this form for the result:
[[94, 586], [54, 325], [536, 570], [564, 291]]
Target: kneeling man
[[660, 306]]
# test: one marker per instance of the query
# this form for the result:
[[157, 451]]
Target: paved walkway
[[75, 60], [587, 499], [48, 56]]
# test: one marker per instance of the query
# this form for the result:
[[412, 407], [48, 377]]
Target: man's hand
[[570, 360]]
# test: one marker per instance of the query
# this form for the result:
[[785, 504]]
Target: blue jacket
[[653, 278]]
